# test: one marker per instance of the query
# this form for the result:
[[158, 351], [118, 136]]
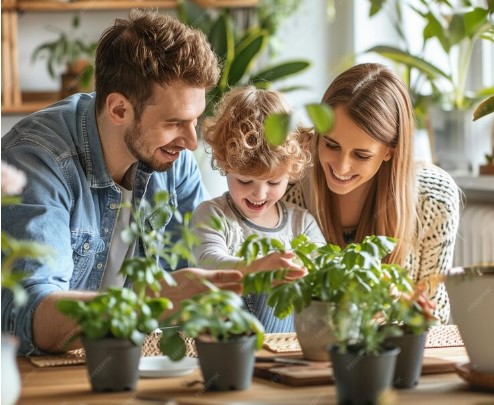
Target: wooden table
[[68, 385]]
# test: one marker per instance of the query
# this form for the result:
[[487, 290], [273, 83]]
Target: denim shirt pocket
[[85, 246]]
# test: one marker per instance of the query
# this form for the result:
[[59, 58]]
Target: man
[[87, 154]]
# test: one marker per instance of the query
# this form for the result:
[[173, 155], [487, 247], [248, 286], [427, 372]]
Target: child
[[257, 175]]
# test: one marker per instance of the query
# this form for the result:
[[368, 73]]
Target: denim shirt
[[70, 203]]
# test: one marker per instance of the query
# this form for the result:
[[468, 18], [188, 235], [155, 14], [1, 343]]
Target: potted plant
[[13, 250], [70, 51], [114, 324], [359, 291], [448, 104], [413, 313], [470, 291], [223, 329]]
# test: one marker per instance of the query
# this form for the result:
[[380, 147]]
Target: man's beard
[[134, 139]]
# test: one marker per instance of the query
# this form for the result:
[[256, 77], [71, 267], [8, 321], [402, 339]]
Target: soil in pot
[[227, 366]]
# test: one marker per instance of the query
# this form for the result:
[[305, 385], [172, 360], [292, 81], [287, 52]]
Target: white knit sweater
[[438, 213]]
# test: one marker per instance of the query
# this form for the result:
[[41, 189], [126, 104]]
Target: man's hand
[[275, 261], [189, 283]]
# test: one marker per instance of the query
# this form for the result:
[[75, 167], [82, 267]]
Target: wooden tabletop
[[66, 385]]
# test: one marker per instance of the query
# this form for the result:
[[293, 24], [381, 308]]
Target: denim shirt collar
[[96, 171]]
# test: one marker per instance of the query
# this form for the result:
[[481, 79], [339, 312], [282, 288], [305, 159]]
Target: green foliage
[[277, 126], [484, 108], [240, 49], [131, 313], [218, 314], [14, 250], [456, 31], [67, 49], [354, 280]]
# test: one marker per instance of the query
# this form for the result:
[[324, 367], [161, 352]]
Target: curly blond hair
[[236, 136]]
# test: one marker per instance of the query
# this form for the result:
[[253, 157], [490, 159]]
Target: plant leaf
[[276, 128], [279, 71], [321, 116], [484, 108]]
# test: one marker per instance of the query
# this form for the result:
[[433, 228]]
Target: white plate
[[162, 366]]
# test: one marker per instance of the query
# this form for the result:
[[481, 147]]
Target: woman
[[365, 181]]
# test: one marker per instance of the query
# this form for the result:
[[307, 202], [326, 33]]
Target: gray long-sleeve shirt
[[218, 248]]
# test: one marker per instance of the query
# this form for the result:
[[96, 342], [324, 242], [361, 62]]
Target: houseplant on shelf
[[72, 54], [114, 324], [442, 93], [223, 329]]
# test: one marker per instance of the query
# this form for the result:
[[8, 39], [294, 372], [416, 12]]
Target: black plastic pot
[[112, 364], [227, 366], [410, 359], [361, 379]]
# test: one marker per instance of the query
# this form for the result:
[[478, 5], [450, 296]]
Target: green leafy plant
[[361, 289], [131, 313], [240, 51], [13, 250], [69, 50], [216, 315], [456, 30]]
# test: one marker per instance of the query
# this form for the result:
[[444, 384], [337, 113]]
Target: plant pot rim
[[388, 350], [471, 271], [230, 340]]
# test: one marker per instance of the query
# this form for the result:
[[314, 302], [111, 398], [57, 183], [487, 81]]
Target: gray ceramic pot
[[112, 364], [314, 334], [471, 293], [227, 366]]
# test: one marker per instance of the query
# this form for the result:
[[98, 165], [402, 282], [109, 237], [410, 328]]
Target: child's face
[[256, 197]]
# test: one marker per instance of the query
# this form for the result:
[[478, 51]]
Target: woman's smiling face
[[349, 156]]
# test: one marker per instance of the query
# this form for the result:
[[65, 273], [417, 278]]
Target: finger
[[235, 287], [224, 276]]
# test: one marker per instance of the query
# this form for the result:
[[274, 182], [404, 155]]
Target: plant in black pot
[[413, 313], [226, 337], [114, 324], [359, 291]]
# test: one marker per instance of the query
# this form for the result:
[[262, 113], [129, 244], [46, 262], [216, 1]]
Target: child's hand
[[276, 261]]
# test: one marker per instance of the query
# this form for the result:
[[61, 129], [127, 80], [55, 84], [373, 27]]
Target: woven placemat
[[444, 336], [70, 358], [438, 336], [281, 343], [150, 347]]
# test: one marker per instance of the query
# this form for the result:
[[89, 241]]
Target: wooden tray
[[321, 373]]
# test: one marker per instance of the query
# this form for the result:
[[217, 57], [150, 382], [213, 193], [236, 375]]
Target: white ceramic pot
[[314, 334], [471, 293], [11, 382]]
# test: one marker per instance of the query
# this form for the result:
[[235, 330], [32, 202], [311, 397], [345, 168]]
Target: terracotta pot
[[471, 293]]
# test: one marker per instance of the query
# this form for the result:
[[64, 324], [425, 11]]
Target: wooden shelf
[[30, 5], [13, 102], [31, 102]]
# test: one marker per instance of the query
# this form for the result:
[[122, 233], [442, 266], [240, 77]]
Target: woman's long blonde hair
[[378, 102]]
